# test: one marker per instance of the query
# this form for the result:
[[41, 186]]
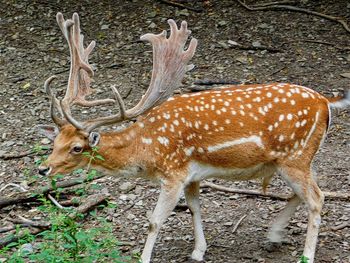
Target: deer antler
[[80, 72], [169, 67]]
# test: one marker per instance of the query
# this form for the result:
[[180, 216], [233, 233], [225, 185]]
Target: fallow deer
[[237, 132]]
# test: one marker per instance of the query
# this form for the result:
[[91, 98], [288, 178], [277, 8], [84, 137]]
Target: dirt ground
[[302, 49]]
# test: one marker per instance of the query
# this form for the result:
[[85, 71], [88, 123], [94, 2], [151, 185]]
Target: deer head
[[72, 137]]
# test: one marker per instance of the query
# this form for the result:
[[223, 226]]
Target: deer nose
[[44, 170]]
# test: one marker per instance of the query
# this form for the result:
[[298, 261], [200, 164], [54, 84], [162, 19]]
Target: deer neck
[[120, 152]]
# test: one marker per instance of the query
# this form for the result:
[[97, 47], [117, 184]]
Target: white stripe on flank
[[312, 129], [253, 139]]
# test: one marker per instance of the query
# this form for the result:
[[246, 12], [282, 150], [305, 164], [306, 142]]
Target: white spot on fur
[[141, 124], [152, 119], [289, 116], [166, 116], [146, 140], [163, 140], [304, 95]]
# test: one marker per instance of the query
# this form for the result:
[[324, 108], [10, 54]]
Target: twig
[[328, 195], [198, 10], [277, 71], [55, 202], [216, 82], [341, 226], [316, 42], [244, 191], [275, 3], [270, 49], [296, 9], [238, 223], [21, 188], [32, 195], [10, 156]]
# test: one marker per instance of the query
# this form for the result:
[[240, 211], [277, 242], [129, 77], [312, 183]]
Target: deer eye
[[77, 149]]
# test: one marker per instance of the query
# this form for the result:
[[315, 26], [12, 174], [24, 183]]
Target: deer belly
[[198, 171]]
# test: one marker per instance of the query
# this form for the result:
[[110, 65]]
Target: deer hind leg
[[305, 187], [167, 200], [276, 233], [192, 199]]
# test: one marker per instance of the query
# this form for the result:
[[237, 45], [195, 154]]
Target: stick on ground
[[328, 195], [32, 195]]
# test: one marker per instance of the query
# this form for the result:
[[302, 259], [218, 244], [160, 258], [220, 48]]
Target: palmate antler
[[80, 71], [169, 67]]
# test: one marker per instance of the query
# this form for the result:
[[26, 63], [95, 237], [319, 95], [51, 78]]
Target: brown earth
[[310, 51]]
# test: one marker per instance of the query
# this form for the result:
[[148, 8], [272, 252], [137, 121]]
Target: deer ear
[[48, 130], [94, 139]]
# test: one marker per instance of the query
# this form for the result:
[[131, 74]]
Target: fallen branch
[[341, 226], [198, 10], [21, 188], [32, 195], [279, 7], [91, 201], [7, 229], [38, 226], [328, 195], [320, 42], [30, 223], [243, 191], [10, 156]]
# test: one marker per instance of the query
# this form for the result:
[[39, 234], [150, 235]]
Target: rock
[[256, 44], [152, 25], [345, 75], [126, 187], [183, 12], [45, 141], [222, 23], [232, 43], [104, 27], [26, 248], [223, 44]]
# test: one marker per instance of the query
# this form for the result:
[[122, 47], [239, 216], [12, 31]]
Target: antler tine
[[54, 102]]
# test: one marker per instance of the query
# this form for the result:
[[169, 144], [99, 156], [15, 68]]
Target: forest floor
[[301, 49]]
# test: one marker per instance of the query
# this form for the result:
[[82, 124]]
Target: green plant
[[304, 259], [68, 239]]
